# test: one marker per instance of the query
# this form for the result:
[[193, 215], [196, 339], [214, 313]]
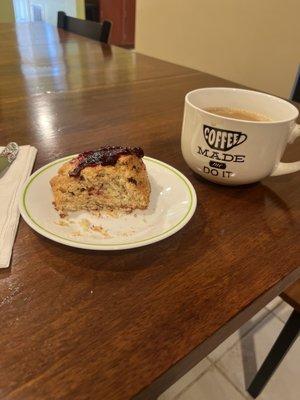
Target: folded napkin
[[11, 182]]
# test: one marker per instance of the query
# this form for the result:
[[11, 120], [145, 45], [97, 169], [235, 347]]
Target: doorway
[[42, 10], [122, 15], [92, 10]]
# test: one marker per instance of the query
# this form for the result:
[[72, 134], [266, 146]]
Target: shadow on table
[[5, 273], [257, 194]]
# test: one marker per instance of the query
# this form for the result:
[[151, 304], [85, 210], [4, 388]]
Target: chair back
[[295, 96], [94, 30]]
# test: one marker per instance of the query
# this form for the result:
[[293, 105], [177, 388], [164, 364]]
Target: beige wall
[[80, 9], [252, 42], [6, 11]]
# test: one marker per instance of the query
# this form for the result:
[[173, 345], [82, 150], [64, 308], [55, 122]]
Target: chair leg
[[280, 348]]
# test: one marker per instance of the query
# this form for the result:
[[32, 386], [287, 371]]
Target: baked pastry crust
[[121, 184]]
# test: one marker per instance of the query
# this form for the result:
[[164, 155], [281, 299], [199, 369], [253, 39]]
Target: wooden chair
[[285, 340], [91, 29], [295, 96]]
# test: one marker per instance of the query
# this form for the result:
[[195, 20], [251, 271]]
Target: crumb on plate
[[62, 222], [76, 234], [100, 229]]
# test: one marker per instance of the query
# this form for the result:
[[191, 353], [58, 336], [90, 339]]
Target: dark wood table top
[[78, 324]]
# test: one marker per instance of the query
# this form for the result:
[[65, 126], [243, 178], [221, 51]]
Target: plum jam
[[107, 155]]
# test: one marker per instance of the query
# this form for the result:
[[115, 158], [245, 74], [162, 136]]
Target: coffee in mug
[[236, 113], [235, 136]]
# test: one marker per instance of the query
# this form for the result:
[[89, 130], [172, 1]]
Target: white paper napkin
[[11, 183]]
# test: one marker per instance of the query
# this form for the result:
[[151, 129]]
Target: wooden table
[[94, 325]]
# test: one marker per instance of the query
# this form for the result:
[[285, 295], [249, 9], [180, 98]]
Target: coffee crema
[[237, 113]]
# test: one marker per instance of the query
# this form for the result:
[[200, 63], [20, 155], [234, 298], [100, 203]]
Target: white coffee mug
[[233, 151]]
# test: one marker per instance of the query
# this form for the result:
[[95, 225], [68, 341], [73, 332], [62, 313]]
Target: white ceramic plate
[[172, 204]]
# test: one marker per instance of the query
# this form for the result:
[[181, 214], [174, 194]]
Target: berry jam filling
[[107, 155]]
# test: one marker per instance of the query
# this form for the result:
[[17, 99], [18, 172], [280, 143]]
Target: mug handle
[[288, 168]]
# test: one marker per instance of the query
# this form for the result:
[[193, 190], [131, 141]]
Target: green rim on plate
[[188, 185]]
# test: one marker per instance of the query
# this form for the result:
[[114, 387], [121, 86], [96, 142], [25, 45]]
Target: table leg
[[280, 348]]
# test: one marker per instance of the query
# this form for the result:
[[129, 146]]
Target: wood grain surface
[[83, 325]]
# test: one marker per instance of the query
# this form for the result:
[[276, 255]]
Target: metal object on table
[[8, 155]]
